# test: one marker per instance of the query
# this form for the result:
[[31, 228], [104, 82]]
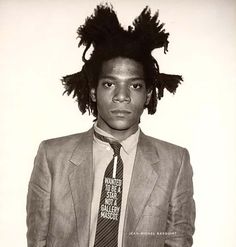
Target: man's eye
[[136, 86], [108, 84]]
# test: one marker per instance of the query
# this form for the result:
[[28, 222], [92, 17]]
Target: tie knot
[[116, 148], [114, 144]]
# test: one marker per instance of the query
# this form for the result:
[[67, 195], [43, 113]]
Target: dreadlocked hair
[[103, 31]]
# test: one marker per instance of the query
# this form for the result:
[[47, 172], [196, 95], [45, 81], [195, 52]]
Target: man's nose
[[122, 94]]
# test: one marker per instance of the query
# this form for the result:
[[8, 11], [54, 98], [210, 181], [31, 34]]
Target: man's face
[[120, 96]]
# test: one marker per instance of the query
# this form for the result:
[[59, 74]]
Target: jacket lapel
[[81, 183], [143, 180]]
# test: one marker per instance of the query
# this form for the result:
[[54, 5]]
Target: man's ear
[[148, 97], [93, 94]]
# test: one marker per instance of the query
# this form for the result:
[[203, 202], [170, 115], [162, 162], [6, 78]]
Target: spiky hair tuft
[[150, 31]]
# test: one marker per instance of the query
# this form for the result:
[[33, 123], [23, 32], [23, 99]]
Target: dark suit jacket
[[160, 208]]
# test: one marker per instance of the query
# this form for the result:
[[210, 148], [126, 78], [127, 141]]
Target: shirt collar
[[128, 144]]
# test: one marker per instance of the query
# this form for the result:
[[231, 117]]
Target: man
[[113, 185]]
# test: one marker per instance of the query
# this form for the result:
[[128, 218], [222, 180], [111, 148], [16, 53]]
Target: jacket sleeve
[[38, 200], [181, 215]]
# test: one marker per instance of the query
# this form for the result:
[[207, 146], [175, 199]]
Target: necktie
[[110, 201]]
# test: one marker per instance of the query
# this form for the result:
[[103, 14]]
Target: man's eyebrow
[[107, 77], [115, 78]]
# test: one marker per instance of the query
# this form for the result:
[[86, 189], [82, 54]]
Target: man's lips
[[120, 112]]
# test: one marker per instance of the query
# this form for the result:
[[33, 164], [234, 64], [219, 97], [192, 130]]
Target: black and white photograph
[[118, 123]]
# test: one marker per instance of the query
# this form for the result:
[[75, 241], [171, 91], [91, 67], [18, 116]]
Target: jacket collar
[[84, 149]]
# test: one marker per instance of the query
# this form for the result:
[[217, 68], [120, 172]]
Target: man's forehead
[[122, 68]]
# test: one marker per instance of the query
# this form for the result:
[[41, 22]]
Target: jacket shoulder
[[171, 156], [65, 143], [166, 150], [164, 144]]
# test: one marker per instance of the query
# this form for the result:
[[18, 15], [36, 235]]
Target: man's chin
[[121, 125]]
